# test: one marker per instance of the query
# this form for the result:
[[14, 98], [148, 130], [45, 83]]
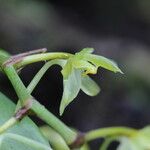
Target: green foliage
[[25, 135], [75, 73]]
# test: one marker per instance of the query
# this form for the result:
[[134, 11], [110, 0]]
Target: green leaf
[[25, 135], [103, 62], [89, 86], [72, 87]]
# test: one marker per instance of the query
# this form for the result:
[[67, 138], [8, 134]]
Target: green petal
[[80, 55], [67, 69], [101, 61], [89, 86], [72, 87]]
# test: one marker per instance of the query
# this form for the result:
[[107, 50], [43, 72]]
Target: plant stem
[[110, 131], [43, 113], [107, 142], [68, 134], [11, 73], [41, 57], [18, 85], [42, 71], [39, 109], [39, 75]]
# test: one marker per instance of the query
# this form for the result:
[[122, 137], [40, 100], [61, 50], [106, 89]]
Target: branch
[[25, 96]]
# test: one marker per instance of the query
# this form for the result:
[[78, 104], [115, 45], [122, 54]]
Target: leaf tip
[[119, 70], [61, 109]]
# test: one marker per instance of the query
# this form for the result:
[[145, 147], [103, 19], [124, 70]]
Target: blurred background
[[118, 29]]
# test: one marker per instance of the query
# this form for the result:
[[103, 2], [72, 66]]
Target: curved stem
[[42, 113], [39, 75], [107, 142], [110, 131], [39, 109], [45, 115], [42, 71], [41, 57]]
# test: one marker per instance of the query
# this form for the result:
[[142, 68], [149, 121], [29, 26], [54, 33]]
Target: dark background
[[117, 29]]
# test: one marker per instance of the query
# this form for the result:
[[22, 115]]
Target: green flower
[[75, 75]]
